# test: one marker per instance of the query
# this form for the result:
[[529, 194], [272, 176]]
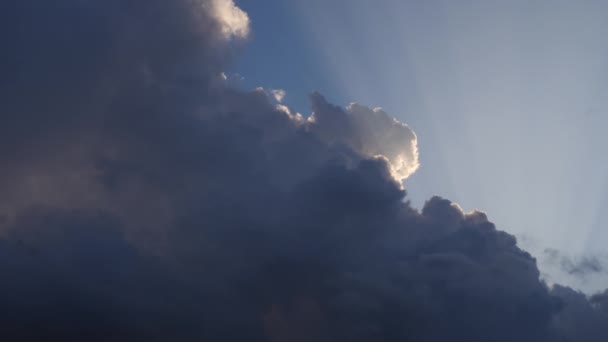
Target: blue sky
[[281, 54], [507, 99]]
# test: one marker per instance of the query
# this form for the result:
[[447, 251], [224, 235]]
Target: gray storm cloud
[[143, 198]]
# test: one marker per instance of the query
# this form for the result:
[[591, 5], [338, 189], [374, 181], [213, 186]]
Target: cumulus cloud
[[583, 318], [233, 21], [144, 199], [370, 132]]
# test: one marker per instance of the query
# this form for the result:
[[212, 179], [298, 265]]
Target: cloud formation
[[233, 21], [144, 199], [581, 267], [370, 132], [278, 94]]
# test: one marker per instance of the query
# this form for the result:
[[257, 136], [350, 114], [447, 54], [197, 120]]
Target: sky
[[506, 98], [197, 170]]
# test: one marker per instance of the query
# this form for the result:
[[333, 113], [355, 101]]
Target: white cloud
[[233, 20], [297, 118], [278, 94], [384, 136], [370, 132]]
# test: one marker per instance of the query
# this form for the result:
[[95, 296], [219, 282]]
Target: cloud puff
[[370, 132], [233, 21], [143, 199], [278, 94], [581, 267]]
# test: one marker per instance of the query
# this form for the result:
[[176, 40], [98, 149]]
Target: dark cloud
[[583, 318], [143, 199], [584, 266], [580, 267]]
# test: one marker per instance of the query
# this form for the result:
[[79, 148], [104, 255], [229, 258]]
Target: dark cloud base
[[142, 199]]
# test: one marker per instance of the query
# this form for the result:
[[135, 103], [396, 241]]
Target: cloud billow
[[144, 199]]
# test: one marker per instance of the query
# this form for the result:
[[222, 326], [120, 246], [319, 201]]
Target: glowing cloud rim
[[234, 22]]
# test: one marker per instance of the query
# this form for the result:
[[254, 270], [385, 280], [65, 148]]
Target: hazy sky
[[507, 99]]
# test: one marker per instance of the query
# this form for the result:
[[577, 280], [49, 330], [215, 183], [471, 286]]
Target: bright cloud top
[[234, 22], [278, 94], [370, 132]]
